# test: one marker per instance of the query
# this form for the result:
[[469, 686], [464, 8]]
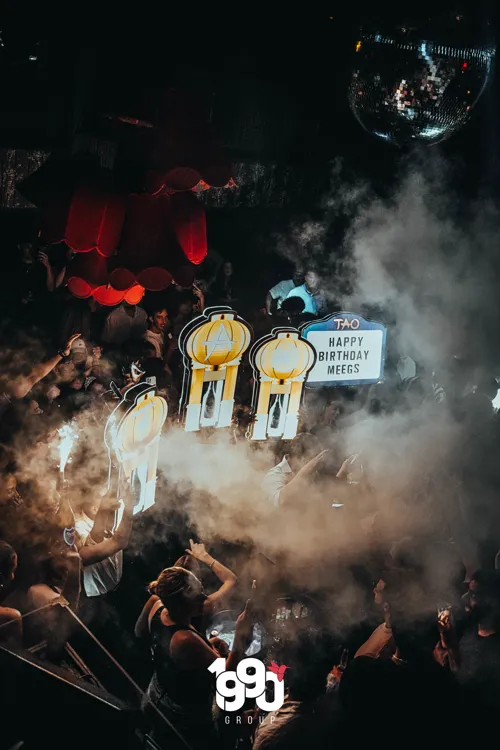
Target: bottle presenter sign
[[132, 437], [212, 346], [349, 350], [281, 362]]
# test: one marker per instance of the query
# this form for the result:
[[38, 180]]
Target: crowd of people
[[417, 658]]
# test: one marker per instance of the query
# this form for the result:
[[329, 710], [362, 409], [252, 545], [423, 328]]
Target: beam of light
[[112, 427], [385, 136], [496, 400], [433, 132], [68, 435]]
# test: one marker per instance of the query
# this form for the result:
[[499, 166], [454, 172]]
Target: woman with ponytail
[[182, 688], [213, 602]]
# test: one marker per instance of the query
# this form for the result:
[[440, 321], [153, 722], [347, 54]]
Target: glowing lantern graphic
[[132, 436], [281, 362], [212, 345]]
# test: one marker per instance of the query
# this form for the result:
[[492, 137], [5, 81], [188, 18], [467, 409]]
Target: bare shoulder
[[185, 637], [190, 651], [9, 613], [187, 642]]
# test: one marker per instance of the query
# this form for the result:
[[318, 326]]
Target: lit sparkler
[[67, 435]]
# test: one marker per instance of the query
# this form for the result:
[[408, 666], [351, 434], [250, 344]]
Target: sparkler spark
[[68, 435]]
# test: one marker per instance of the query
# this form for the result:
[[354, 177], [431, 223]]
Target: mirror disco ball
[[405, 91]]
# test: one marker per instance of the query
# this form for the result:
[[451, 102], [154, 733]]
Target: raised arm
[[44, 260], [105, 517], [94, 553], [226, 576], [269, 303], [60, 277], [293, 492], [22, 385], [201, 298]]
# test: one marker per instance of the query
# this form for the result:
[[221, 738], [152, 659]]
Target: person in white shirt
[[290, 478], [100, 548], [281, 290], [309, 292], [123, 323], [155, 335]]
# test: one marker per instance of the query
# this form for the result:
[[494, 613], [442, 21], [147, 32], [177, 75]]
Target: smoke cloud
[[424, 262], [427, 266]]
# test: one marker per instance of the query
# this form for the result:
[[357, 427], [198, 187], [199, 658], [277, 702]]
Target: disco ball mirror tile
[[419, 91]]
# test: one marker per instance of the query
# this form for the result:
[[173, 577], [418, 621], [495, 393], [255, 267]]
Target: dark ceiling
[[273, 82]]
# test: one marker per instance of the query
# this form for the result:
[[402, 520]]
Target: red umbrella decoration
[[127, 242]]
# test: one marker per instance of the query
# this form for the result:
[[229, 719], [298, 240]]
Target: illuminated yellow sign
[[212, 346], [281, 362], [132, 436]]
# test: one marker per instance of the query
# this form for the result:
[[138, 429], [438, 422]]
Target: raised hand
[[67, 348], [126, 490], [312, 465], [198, 551], [220, 646], [44, 259], [348, 466]]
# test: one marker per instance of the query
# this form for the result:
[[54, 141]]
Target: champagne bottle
[[209, 401]]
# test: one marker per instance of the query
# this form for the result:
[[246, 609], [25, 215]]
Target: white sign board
[[353, 357], [349, 350]]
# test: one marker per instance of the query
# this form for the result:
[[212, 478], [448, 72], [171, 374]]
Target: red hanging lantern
[[86, 272], [78, 202], [125, 245], [95, 220], [188, 216], [79, 287], [109, 296], [88, 276], [106, 295], [149, 253], [134, 295]]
